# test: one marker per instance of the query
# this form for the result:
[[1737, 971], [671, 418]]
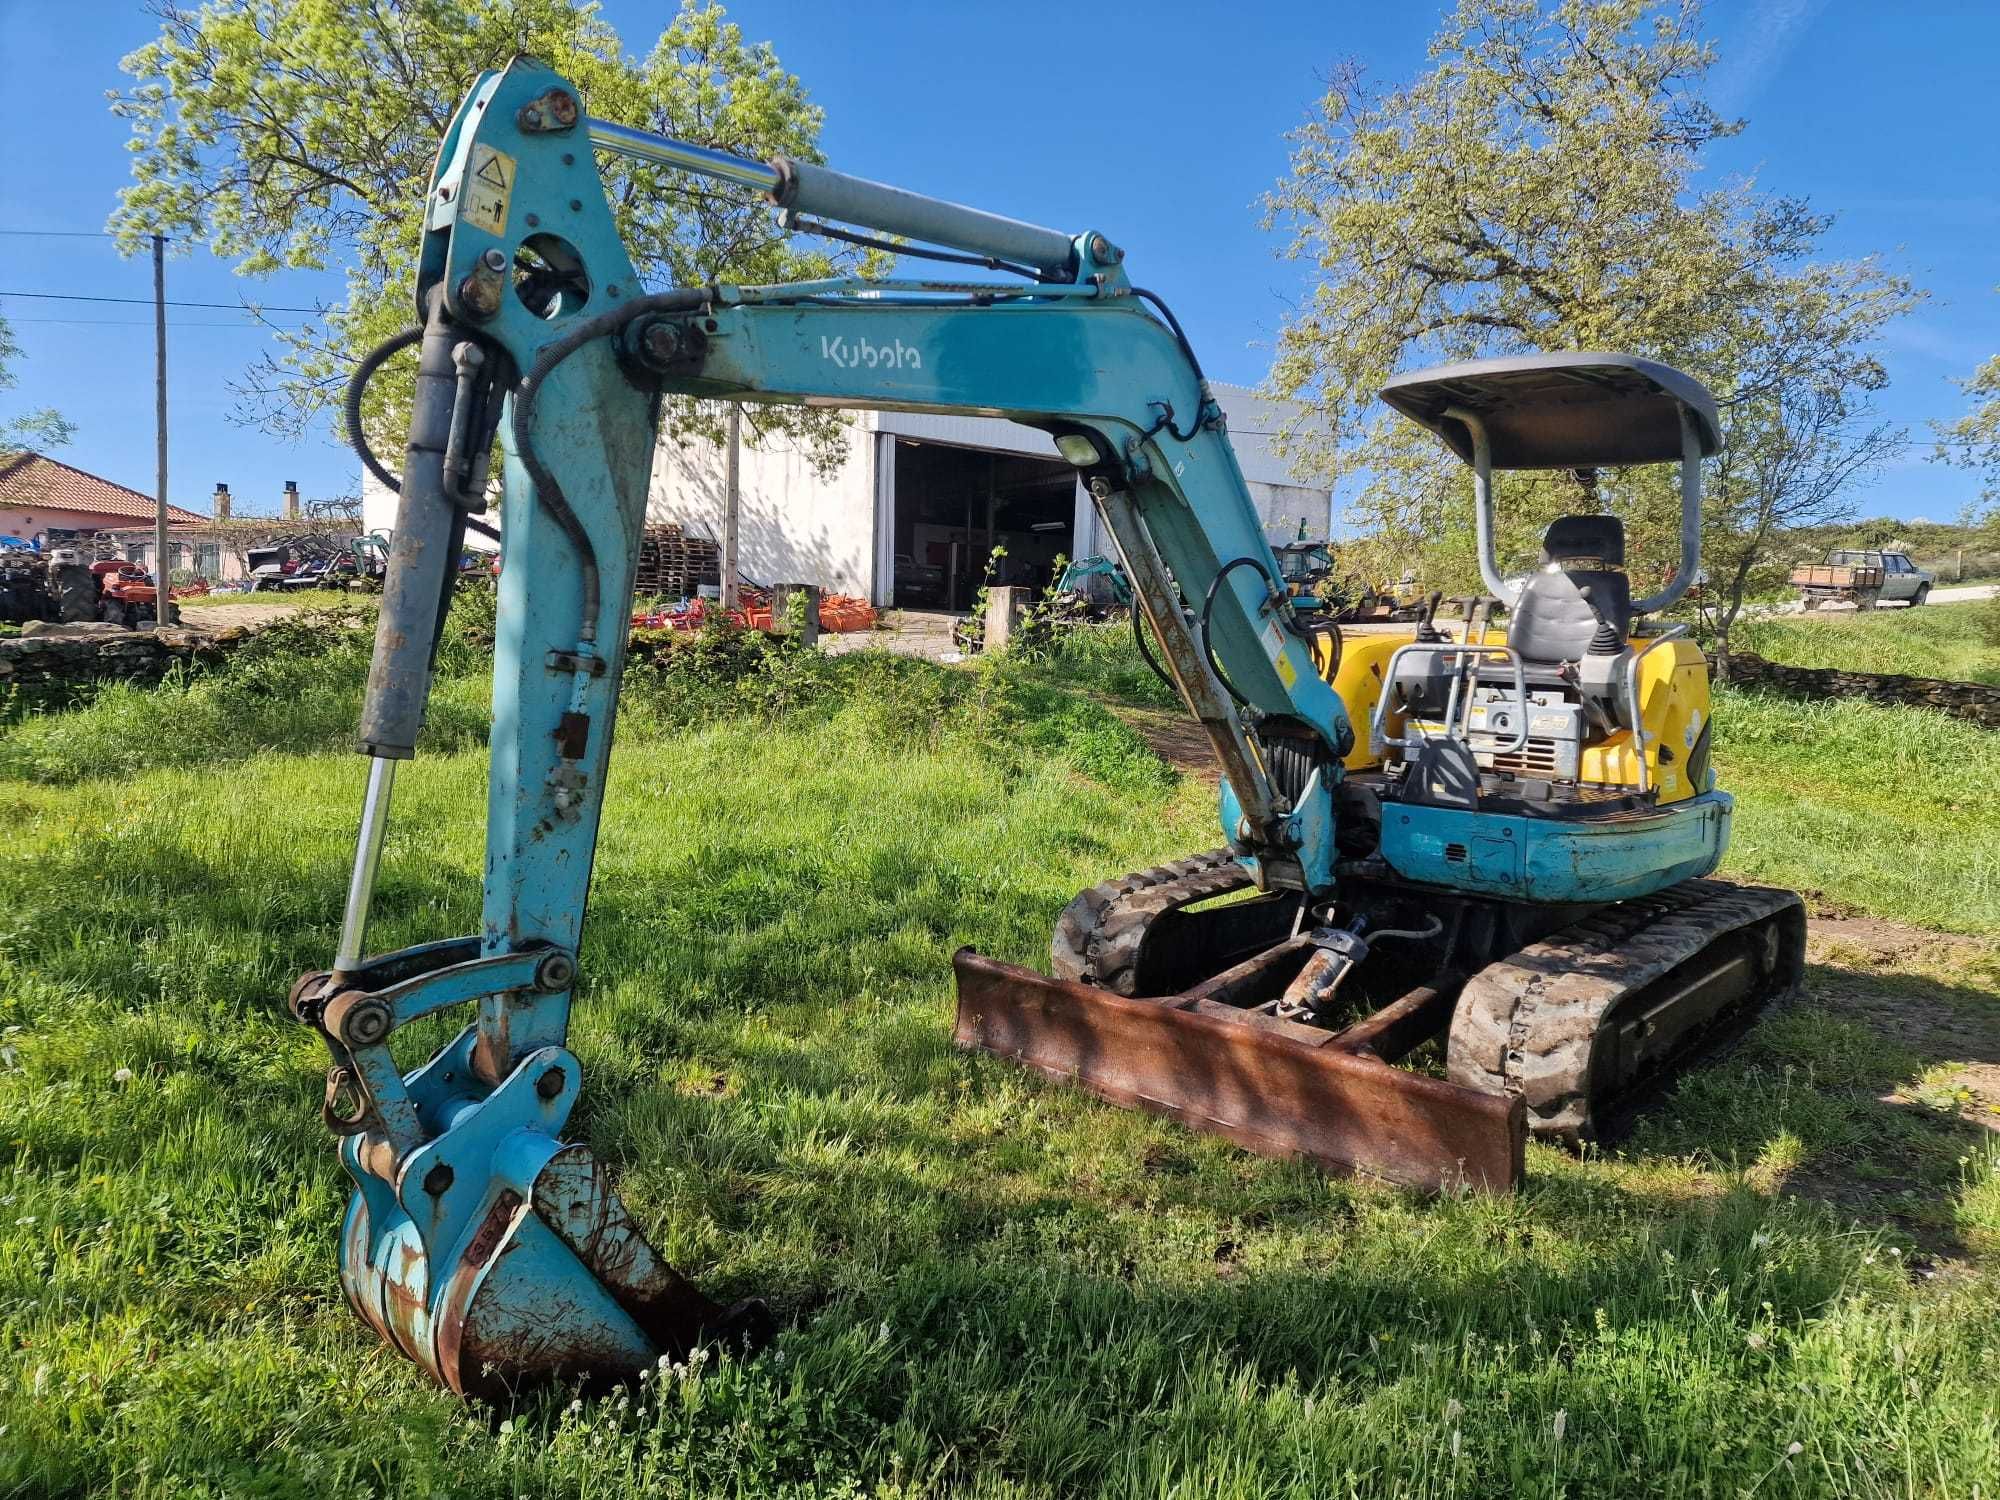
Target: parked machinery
[[1495, 839]]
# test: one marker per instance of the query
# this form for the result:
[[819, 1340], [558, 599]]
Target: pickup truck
[[1862, 577]]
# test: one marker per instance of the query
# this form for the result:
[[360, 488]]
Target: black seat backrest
[[1552, 620]]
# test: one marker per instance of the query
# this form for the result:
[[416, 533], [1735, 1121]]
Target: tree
[[38, 430], [299, 134], [1536, 189], [1973, 440], [1789, 465]]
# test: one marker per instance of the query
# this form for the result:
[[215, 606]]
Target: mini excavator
[[1460, 897]]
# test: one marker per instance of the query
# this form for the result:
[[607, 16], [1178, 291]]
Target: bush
[[295, 686]]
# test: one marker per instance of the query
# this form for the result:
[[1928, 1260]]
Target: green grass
[[1956, 642], [273, 598], [1885, 809], [991, 1285]]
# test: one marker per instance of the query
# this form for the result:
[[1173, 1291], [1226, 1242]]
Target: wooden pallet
[[672, 563]]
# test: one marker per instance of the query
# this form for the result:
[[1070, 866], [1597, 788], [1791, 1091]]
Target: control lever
[[1427, 632]]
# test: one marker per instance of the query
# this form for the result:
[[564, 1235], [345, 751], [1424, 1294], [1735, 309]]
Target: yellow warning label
[[1287, 673], [489, 182]]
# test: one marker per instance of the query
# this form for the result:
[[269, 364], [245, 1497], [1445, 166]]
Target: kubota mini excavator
[[1493, 842]]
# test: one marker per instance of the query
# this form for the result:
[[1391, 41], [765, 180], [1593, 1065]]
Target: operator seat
[[1553, 620]]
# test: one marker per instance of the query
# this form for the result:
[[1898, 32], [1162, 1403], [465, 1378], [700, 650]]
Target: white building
[[920, 501]]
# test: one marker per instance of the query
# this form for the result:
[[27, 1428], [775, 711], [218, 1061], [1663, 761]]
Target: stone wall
[[73, 656], [1964, 700]]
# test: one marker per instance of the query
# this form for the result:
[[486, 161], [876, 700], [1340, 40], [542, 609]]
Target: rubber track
[[1100, 933], [1527, 1024]]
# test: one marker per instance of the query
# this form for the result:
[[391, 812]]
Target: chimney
[[221, 500], [291, 499]]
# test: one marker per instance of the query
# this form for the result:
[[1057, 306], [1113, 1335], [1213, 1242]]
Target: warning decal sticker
[[489, 182]]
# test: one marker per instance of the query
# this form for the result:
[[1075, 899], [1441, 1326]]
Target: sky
[[1162, 126]]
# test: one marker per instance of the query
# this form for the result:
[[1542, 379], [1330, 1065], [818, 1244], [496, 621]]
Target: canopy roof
[[1561, 411]]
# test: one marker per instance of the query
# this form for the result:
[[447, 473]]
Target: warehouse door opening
[[953, 506]]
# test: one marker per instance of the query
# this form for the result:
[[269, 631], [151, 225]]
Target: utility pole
[[732, 499], [163, 602]]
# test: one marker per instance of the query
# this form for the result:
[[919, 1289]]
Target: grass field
[[1785, 1284], [1957, 642], [274, 599]]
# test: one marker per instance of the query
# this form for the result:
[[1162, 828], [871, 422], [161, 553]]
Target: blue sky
[[1161, 125]]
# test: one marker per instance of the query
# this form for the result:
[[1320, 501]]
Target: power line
[[126, 323], [66, 234], [148, 302]]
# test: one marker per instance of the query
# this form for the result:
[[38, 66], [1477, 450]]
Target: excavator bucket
[[492, 1253], [1210, 1061]]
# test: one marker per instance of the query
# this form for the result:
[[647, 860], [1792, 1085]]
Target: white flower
[[27, 1219], [1756, 1341], [1759, 1240], [1896, 1251], [1560, 1424], [665, 1360], [1452, 1409], [507, 1427], [882, 1334], [1795, 1450], [123, 1075]]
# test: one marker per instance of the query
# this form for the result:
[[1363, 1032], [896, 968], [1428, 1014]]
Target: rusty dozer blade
[[1272, 1086]]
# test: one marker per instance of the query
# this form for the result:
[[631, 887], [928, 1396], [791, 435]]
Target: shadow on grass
[[1827, 1099]]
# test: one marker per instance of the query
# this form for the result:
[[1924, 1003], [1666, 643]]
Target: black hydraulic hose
[[1165, 422], [1175, 324], [357, 387], [1329, 630], [547, 489], [1139, 640], [1208, 612], [357, 439]]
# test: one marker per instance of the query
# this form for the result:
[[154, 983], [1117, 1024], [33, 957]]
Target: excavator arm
[[477, 1241]]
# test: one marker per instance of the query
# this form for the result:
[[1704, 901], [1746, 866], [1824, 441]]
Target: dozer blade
[[1272, 1086]]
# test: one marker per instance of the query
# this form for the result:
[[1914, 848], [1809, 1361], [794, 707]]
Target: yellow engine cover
[[1673, 710], [1364, 659]]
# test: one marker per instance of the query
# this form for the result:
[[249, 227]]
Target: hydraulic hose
[[357, 437], [357, 387], [547, 488], [1208, 615], [1139, 640]]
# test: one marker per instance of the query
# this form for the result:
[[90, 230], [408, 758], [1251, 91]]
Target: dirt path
[[1175, 738]]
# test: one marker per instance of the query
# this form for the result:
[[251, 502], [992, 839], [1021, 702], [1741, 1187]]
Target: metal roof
[[1561, 411]]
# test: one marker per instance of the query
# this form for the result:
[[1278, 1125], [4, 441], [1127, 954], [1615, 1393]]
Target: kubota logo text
[[861, 354]]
